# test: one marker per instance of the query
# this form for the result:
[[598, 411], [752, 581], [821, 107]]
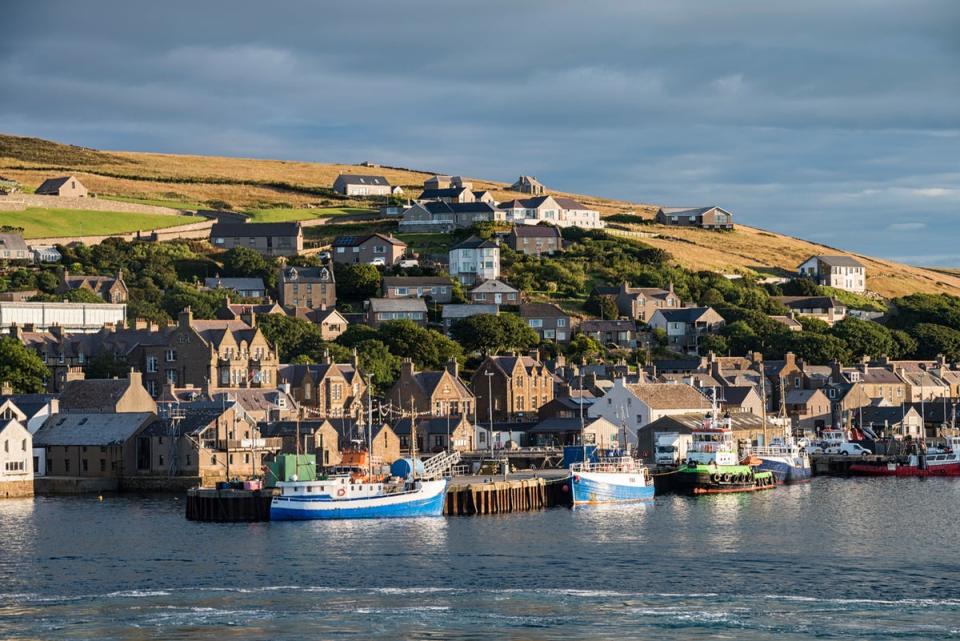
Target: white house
[[562, 212], [840, 272], [31, 411], [72, 317], [475, 260], [635, 405], [16, 459]]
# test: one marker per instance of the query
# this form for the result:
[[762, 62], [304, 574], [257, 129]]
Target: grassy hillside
[[44, 222], [270, 189]]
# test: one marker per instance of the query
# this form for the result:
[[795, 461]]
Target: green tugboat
[[713, 466]]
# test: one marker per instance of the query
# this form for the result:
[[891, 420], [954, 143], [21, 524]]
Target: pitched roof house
[[704, 217], [519, 385], [535, 239], [474, 260], [64, 186], [112, 289], [635, 405], [379, 249], [360, 185], [549, 321], [841, 272], [269, 239], [381, 310], [433, 393], [496, 292], [443, 217], [13, 247], [685, 326], [528, 185]]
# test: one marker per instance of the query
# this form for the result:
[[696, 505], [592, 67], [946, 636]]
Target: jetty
[[478, 495]]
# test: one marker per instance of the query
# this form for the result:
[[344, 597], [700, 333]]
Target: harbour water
[[832, 559]]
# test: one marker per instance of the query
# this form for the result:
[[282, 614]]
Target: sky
[[837, 122]]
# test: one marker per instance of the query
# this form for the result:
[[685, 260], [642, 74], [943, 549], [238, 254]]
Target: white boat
[[341, 497], [617, 479]]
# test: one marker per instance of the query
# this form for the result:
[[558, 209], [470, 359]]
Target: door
[[498, 298]]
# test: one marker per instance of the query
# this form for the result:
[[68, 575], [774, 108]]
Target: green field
[[279, 215], [39, 222], [430, 243], [157, 202]]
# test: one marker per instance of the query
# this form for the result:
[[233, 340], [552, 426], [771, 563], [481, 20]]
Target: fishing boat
[[785, 457], [612, 479], [943, 461], [342, 497], [713, 465]]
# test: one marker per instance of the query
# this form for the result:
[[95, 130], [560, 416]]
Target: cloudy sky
[[834, 121]]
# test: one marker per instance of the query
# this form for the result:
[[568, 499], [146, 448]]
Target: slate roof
[[415, 281], [15, 242], [878, 415], [570, 203], [465, 311], [229, 230], [737, 394], [685, 423], [535, 231], [669, 396], [683, 314], [244, 284], [475, 242], [541, 310], [436, 194], [29, 404], [354, 241], [588, 326], [92, 394], [800, 396], [361, 179], [51, 185], [90, 429], [307, 274], [493, 287], [839, 261], [685, 211], [397, 305]]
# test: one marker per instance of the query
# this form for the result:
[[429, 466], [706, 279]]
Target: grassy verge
[[856, 301], [278, 215], [326, 233], [42, 222]]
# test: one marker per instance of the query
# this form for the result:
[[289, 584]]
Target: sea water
[[832, 559]]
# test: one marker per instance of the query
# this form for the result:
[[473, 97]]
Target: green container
[[285, 466]]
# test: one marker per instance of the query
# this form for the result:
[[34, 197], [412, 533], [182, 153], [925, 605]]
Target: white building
[[475, 260], [635, 405], [31, 411], [562, 212], [76, 318], [16, 459], [46, 254], [839, 272]]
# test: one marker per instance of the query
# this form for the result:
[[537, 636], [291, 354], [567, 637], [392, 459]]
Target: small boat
[[932, 462], [786, 459], [344, 497], [616, 479]]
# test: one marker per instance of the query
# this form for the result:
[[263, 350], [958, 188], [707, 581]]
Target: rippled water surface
[[833, 559]]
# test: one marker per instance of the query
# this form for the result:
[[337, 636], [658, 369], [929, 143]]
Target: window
[[561, 322], [561, 336], [66, 465], [535, 322], [172, 376], [171, 355], [84, 465], [160, 460], [151, 364], [340, 250]]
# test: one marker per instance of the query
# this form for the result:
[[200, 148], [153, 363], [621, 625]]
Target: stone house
[[535, 240], [809, 410], [431, 393], [327, 389], [738, 399], [702, 217], [112, 289], [495, 292], [922, 386], [359, 185], [370, 249], [316, 436], [528, 185], [205, 439], [441, 181], [311, 287], [260, 404], [95, 445], [381, 310], [636, 405], [437, 288], [332, 323], [13, 247], [840, 272], [269, 239], [107, 396], [621, 333], [16, 459], [31, 411], [549, 321], [640, 303], [685, 327], [520, 386], [64, 186], [474, 260]]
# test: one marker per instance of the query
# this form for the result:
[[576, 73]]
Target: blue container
[[574, 454], [402, 467]]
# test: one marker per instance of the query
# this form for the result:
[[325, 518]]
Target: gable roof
[[13, 242], [465, 311], [535, 231], [245, 284], [52, 185], [684, 314], [549, 310], [838, 261], [354, 241], [669, 396], [447, 192], [90, 429], [570, 203], [307, 274], [493, 286], [92, 393], [686, 211], [397, 305], [255, 229], [475, 242], [608, 326]]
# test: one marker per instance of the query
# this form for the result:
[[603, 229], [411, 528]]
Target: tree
[[714, 343], [602, 305], [203, 304], [490, 334], [740, 338], [940, 309], [357, 334], [865, 338], [244, 262], [427, 348], [933, 339], [801, 287], [583, 348], [357, 281], [21, 367], [47, 282], [377, 361], [818, 348], [104, 365], [906, 345]]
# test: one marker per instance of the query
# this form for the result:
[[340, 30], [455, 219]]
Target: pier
[[228, 506], [472, 496], [839, 465]]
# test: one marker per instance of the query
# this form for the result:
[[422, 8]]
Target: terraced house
[[270, 239], [431, 393], [112, 289], [370, 249], [438, 288], [310, 287], [327, 389]]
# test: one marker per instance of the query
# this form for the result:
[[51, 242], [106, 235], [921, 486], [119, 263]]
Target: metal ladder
[[437, 466]]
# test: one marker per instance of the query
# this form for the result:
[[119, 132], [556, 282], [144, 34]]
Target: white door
[[498, 298]]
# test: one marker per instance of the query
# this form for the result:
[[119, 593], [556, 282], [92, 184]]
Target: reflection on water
[[835, 558]]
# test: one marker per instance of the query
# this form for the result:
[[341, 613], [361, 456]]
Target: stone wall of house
[[86, 204], [16, 489]]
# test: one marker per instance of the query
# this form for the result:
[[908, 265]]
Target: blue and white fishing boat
[[785, 457], [342, 497], [618, 479]]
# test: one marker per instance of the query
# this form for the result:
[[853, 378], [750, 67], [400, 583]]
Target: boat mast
[[413, 440], [583, 443], [369, 426]]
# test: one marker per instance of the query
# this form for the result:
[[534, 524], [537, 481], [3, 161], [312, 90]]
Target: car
[[409, 262], [324, 256], [379, 261]]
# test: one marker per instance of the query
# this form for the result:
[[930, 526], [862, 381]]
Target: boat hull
[[427, 500], [598, 488], [724, 479], [903, 471], [787, 469]]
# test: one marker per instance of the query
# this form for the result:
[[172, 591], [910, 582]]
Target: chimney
[[453, 367], [57, 331], [135, 378], [789, 361], [6, 388], [406, 368], [670, 288], [941, 362], [835, 371], [715, 369], [356, 359], [185, 318], [16, 331]]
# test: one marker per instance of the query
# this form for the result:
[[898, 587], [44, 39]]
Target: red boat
[[934, 462]]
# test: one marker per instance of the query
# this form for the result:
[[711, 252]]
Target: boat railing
[[774, 450], [625, 465]]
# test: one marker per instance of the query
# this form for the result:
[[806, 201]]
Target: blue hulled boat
[[610, 480], [342, 497]]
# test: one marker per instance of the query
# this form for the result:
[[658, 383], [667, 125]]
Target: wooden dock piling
[[502, 497]]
